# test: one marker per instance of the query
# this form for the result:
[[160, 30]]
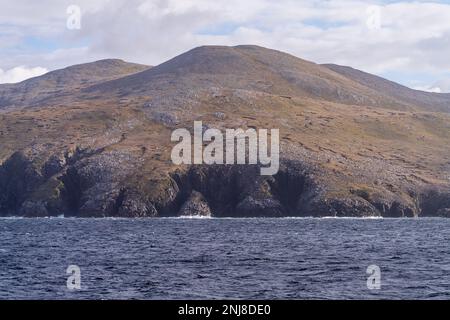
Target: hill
[[98, 144], [64, 81]]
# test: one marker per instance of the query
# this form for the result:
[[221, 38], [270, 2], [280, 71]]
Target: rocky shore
[[98, 185]]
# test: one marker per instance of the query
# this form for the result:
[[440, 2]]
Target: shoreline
[[221, 218]]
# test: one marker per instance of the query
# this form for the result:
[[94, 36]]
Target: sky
[[404, 41]]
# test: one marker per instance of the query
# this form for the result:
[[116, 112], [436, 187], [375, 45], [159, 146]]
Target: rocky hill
[[64, 82], [96, 141]]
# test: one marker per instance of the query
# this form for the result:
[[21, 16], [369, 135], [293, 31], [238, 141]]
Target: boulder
[[195, 205], [444, 212], [33, 209], [267, 207]]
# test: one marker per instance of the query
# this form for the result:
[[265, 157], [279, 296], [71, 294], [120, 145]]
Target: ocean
[[260, 258]]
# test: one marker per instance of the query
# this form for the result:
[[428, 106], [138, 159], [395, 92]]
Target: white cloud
[[20, 73], [428, 89], [443, 84], [440, 86]]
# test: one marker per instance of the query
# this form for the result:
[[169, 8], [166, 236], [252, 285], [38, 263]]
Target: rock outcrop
[[98, 185], [195, 205]]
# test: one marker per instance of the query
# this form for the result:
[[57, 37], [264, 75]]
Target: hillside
[[98, 143], [64, 81], [427, 100], [247, 68]]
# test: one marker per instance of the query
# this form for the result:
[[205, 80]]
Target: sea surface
[[182, 258]]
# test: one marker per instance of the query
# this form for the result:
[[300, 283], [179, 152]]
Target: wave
[[62, 216]]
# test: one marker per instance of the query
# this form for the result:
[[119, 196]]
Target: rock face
[[132, 205], [101, 147], [97, 186], [444, 212], [195, 205], [18, 179]]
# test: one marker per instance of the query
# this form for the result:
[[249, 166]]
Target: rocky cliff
[[352, 144]]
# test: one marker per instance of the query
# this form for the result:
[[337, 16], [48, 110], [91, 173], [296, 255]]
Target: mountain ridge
[[293, 75], [139, 73]]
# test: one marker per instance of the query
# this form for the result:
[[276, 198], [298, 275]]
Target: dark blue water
[[224, 258]]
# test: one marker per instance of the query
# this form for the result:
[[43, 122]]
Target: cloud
[[439, 86], [428, 89], [412, 40], [444, 84], [20, 73]]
